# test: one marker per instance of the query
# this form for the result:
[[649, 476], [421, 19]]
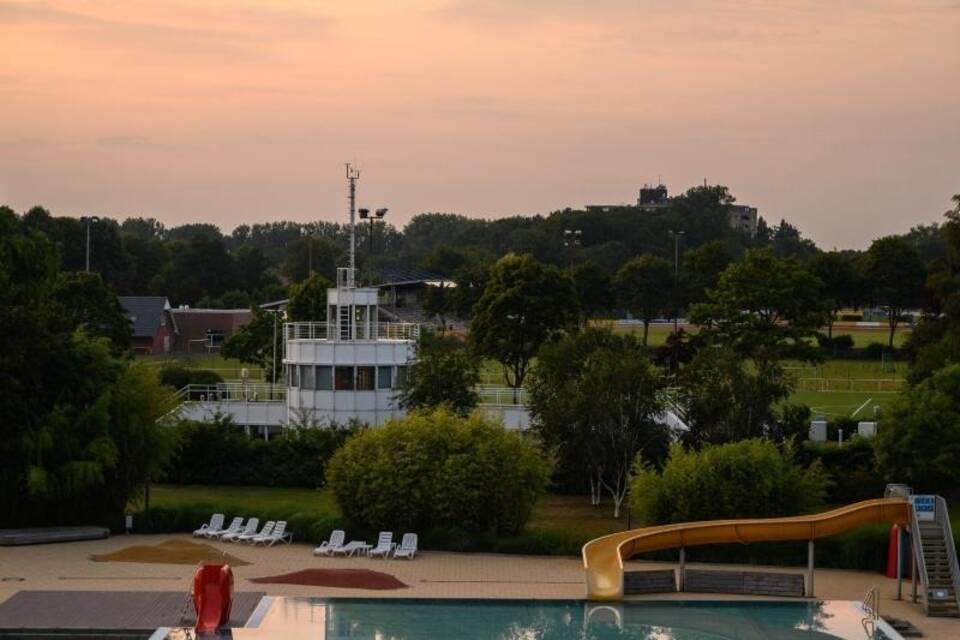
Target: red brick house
[[154, 328]]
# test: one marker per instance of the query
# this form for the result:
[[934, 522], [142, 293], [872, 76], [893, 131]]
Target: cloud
[[188, 29]]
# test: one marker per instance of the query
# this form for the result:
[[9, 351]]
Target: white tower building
[[350, 366]]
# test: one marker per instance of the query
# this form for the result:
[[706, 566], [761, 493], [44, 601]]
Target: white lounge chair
[[407, 548], [279, 534], [327, 547], [250, 537], [235, 525], [249, 530], [352, 547], [215, 524], [384, 545]]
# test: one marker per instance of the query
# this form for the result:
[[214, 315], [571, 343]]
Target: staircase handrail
[[943, 516], [920, 561]]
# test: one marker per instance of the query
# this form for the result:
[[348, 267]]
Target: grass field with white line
[[843, 404]]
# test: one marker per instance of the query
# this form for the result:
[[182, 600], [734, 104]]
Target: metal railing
[[920, 563], [943, 517], [502, 396], [870, 385], [232, 392], [361, 331]]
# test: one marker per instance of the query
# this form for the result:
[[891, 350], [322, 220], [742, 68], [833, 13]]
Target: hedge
[[178, 376], [220, 453]]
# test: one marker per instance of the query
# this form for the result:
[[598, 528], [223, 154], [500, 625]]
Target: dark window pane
[[365, 378], [384, 377], [294, 378], [401, 376], [343, 379], [306, 376], [324, 378]]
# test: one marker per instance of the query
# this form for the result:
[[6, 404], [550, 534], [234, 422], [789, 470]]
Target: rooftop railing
[[345, 332], [232, 392]]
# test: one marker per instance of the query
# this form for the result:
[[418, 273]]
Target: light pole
[[378, 214], [676, 274], [571, 240], [88, 220], [308, 234]]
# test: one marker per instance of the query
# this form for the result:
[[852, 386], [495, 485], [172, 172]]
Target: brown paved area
[[431, 575]]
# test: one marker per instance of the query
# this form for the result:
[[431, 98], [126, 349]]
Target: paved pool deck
[[433, 574]]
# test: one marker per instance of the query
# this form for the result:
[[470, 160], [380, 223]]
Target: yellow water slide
[[603, 557]]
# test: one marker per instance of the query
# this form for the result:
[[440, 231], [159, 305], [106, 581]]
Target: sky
[[842, 116]]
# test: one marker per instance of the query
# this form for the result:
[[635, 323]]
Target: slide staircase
[[936, 556]]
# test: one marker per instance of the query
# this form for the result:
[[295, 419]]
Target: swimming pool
[[396, 619]]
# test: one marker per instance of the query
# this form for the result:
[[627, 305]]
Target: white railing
[[361, 331], [502, 396], [232, 392], [870, 385]]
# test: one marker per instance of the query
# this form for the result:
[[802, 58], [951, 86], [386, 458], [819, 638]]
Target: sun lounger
[[235, 525], [249, 537], [384, 545], [279, 534], [327, 547], [408, 547], [249, 530], [349, 549], [215, 524]]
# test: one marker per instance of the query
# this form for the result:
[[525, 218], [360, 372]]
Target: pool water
[[389, 619]]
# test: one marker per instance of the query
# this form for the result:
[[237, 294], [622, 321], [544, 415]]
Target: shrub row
[[178, 376], [220, 453]]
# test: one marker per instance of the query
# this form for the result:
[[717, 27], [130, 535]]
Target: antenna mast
[[353, 174]]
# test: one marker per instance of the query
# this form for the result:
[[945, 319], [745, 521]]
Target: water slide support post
[[899, 563], [913, 570], [810, 569], [683, 568]]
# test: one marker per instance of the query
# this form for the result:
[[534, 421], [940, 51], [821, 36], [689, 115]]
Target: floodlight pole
[[676, 276], [274, 365], [88, 220]]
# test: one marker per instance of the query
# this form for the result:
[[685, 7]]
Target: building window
[[306, 376], [324, 378], [384, 377], [343, 379], [214, 338], [365, 380], [401, 376], [294, 379]]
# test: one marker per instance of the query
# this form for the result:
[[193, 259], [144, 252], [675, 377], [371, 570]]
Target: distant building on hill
[[654, 197]]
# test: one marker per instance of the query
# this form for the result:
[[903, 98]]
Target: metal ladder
[[936, 561]]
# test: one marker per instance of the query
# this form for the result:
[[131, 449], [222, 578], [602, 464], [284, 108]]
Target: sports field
[[843, 404]]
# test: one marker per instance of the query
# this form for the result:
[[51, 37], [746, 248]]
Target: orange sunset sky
[[842, 116]]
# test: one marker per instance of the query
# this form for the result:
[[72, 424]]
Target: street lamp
[[379, 214], [308, 234], [676, 274], [88, 220]]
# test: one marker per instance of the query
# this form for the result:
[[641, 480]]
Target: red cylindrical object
[[892, 553], [212, 596]]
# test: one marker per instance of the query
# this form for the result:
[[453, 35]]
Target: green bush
[[437, 470], [178, 376], [220, 453], [746, 479], [918, 440], [852, 468]]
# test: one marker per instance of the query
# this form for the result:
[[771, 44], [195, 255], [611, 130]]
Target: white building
[[349, 367]]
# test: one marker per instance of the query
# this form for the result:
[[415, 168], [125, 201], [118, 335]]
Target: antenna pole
[[353, 174]]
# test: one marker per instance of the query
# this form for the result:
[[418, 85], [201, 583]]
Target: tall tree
[[841, 286], [594, 289], [645, 286], [596, 398], [765, 309], [895, 277], [524, 304], [701, 270], [445, 374], [90, 304], [308, 300], [259, 342]]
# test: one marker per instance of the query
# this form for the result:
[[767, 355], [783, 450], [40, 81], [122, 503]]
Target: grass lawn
[[571, 515], [842, 404], [249, 500]]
